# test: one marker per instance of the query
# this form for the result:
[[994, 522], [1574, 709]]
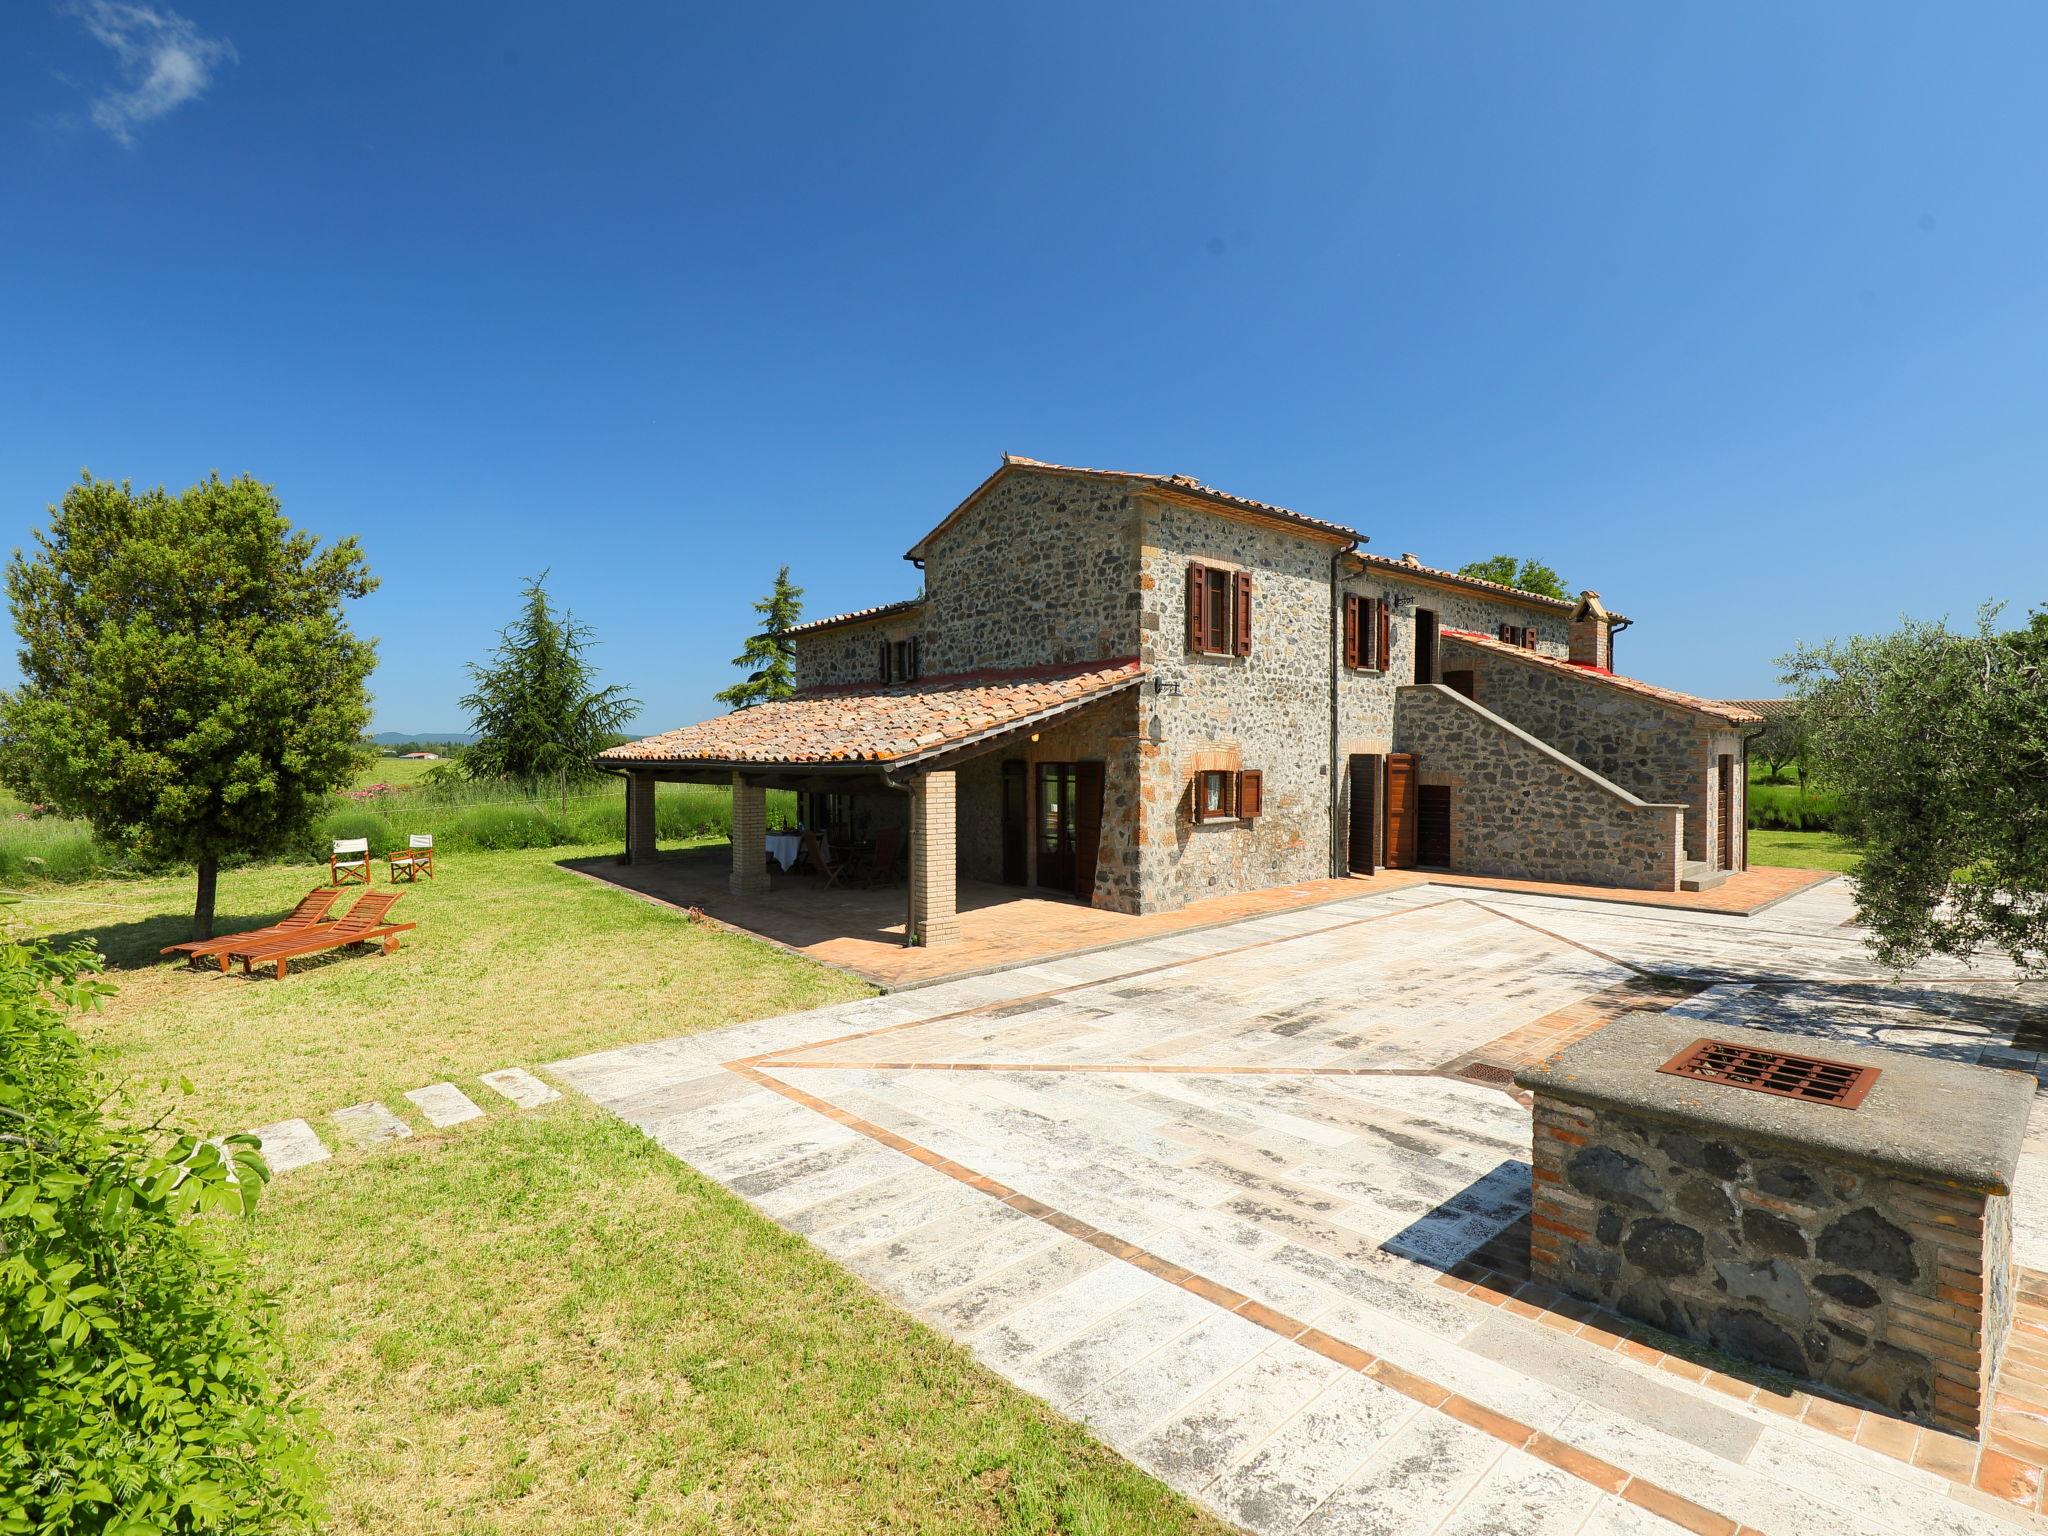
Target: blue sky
[[1735, 312]]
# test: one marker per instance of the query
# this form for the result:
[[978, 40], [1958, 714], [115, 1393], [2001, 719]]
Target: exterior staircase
[[1698, 875]]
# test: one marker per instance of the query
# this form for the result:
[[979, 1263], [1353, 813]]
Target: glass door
[[1056, 825]]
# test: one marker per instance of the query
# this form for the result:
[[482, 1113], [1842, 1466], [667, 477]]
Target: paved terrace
[[1251, 1202], [1001, 925]]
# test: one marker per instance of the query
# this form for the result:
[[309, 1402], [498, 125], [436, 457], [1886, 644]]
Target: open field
[[538, 1322]]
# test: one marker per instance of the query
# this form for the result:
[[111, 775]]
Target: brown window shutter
[[1198, 590], [884, 674], [1383, 655], [1529, 638], [1250, 788], [915, 668], [1350, 629], [1195, 798], [1243, 611]]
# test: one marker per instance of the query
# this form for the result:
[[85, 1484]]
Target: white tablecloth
[[787, 847]]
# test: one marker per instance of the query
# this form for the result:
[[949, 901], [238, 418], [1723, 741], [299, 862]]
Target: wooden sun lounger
[[363, 924], [312, 909]]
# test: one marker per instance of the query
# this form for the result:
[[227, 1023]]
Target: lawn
[[538, 1321], [1802, 850]]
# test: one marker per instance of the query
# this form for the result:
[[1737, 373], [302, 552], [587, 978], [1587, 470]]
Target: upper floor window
[[899, 660], [1219, 610], [1368, 632], [1523, 635]]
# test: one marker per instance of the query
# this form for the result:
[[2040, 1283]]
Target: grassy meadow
[[538, 1322]]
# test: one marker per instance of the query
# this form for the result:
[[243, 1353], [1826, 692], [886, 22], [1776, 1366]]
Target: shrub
[[138, 1390], [1786, 808]]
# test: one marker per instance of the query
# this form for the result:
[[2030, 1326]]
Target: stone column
[[934, 909], [749, 827], [640, 818]]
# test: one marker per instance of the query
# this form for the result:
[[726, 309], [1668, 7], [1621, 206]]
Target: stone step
[[1698, 875]]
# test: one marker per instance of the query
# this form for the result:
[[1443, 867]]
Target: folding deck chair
[[413, 860], [349, 863]]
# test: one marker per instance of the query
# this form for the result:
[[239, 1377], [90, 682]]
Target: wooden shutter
[[1529, 637], [911, 675], [1088, 776], [1351, 602], [1383, 654], [1242, 611], [884, 674], [1196, 797], [1250, 788], [1198, 591]]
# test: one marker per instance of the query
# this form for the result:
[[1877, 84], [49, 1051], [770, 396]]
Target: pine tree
[[536, 715], [770, 656]]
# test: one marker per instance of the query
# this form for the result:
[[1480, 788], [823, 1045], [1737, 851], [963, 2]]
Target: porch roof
[[1734, 714], [897, 726]]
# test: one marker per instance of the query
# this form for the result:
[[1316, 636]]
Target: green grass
[[538, 1322], [1803, 850]]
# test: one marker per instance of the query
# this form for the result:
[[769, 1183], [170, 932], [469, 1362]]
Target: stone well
[[1866, 1249]]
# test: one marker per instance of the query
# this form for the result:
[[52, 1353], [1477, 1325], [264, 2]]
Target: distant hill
[[424, 738]]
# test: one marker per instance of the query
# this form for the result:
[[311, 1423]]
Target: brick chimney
[[1592, 634]]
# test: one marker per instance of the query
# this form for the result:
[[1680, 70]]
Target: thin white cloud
[[164, 61]]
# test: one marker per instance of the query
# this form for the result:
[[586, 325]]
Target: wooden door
[[1087, 799], [1724, 774], [1016, 822], [1365, 811], [1400, 845], [1056, 825], [1425, 645], [1433, 825]]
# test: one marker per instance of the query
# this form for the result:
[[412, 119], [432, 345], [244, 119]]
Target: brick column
[[934, 912], [640, 818], [749, 827]]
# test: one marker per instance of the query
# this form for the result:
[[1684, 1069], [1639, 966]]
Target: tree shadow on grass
[[137, 944]]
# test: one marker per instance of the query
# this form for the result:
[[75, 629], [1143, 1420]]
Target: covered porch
[[877, 766]]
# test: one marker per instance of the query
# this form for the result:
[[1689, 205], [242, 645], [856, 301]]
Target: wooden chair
[[814, 860], [312, 908], [886, 863], [363, 924], [410, 861], [349, 863]]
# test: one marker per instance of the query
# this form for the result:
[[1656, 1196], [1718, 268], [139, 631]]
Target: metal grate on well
[[1807, 1078]]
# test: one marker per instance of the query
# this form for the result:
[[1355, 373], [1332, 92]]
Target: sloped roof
[[858, 616], [1768, 709], [1478, 583], [1734, 714], [1178, 485], [886, 726]]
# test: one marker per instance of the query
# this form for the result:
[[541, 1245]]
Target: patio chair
[[349, 863], [815, 861], [413, 860], [885, 864], [312, 909], [363, 924]]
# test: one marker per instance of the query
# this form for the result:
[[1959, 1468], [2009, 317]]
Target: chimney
[[1592, 634]]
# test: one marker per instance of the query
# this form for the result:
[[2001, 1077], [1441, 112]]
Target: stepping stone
[[521, 1087], [444, 1104], [368, 1124], [290, 1144]]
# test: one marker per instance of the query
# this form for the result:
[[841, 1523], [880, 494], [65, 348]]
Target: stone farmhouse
[[1144, 691]]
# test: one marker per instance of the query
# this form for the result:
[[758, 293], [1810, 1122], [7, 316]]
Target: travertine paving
[[1241, 1200], [443, 1104]]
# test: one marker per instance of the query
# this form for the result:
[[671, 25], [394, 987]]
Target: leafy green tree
[[537, 716], [139, 1386], [1527, 575], [1780, 740], [189, 685], [770, 656], [1936, 746]]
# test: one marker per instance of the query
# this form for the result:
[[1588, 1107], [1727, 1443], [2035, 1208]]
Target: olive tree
[[1936, 747], [189, 684]]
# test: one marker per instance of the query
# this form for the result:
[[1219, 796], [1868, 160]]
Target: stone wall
[[1893, 1289], [1038, 571], [851, 653], [1522, 811], [1106, 733], [1268, 711]]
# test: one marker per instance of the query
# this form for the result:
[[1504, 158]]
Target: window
[[1219, 611], [1522, 635], [1215, 795], [1367, 632], [900, 661]]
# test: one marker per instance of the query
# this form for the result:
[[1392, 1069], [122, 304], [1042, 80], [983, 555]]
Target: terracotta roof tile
[[882, 725], [858, 616], [1735, 714], [1435, 573], [1768, 709]]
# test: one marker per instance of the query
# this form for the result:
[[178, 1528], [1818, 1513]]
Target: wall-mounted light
[[1399, 601], [1166, 687], [1034, 735]]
